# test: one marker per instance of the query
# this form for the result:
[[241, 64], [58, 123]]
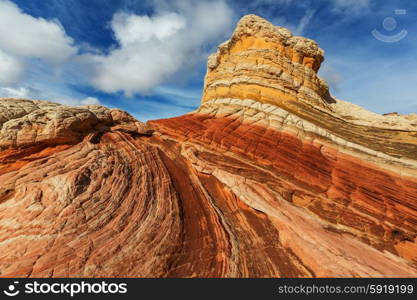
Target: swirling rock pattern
[[270, 177]]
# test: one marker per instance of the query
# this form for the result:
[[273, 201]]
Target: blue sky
[[149, 57]]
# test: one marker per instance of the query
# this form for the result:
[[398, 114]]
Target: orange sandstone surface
[[270, 177]]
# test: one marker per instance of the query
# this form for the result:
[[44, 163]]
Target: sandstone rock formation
[[270, 177]]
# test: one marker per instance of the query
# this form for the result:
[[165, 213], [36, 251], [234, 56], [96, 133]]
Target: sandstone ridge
[[266, 62], [296, 48], [26, 122]]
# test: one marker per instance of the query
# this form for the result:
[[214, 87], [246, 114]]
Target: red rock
[[270, 177]]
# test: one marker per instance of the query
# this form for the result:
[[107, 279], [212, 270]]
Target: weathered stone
[[270, 177]]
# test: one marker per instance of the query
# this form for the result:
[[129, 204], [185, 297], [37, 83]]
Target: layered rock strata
[[270, 177]]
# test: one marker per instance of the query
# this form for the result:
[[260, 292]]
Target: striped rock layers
[[270, 177]]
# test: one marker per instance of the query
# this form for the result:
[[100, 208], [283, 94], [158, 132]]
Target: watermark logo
[[65, 288], [12, 290], [390, 24]]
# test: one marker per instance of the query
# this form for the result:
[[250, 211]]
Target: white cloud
[[75, 102], [8, 92], [131, 29], [33, 93], [153, 48], [90, 100], [10, 68], [26, 36]]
